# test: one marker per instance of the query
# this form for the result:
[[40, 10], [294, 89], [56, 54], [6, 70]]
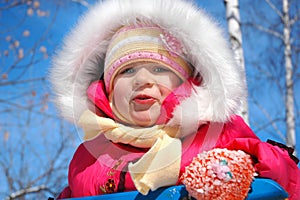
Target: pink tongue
[[144, 100]]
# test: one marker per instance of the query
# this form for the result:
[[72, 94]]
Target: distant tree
[[289, 83], [277, 23], [235, 36], [36, 144]]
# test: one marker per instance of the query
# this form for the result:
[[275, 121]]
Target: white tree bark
[[235, 33], [289, 98]]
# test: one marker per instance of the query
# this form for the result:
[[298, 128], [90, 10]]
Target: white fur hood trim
[[80, 61]]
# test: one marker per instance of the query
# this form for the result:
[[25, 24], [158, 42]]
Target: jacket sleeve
[[98, 167], [81, 177], [270, 161], [84, 172], [66, 193]]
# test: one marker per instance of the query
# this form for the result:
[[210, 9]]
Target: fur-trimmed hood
[[81, 59]]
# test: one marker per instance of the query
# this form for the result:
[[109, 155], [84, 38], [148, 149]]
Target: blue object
[[266, 189], [261, 189]]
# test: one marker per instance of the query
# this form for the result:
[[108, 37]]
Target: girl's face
[[139, 90]]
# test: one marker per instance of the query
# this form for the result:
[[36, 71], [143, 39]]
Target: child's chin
[[144, 119]]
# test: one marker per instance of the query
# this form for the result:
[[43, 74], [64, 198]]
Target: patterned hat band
[[133, 44]]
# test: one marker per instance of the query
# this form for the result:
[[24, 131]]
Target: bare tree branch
[[270, 119], [35, 154], [265, 30], [14, 4], [295, 18], [277, 11], [30, 190], [81, 2], [22, 81]]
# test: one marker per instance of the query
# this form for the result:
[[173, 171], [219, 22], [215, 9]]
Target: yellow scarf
[[159, 166]]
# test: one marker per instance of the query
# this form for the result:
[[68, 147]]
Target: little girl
[[153, 83]]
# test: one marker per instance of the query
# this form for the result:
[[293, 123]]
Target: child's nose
[[143, 78]]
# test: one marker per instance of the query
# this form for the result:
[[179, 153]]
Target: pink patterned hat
[[140, 43]]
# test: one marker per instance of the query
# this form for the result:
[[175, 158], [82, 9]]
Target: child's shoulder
[[237, 127]]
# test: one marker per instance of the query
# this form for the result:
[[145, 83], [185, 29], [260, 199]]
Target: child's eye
[[128, 70], [160, 69]]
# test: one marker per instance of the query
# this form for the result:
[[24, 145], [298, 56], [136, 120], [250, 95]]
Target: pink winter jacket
[[99, 166]]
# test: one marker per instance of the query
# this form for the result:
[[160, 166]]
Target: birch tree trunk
[[289, 96], [235, 33]]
